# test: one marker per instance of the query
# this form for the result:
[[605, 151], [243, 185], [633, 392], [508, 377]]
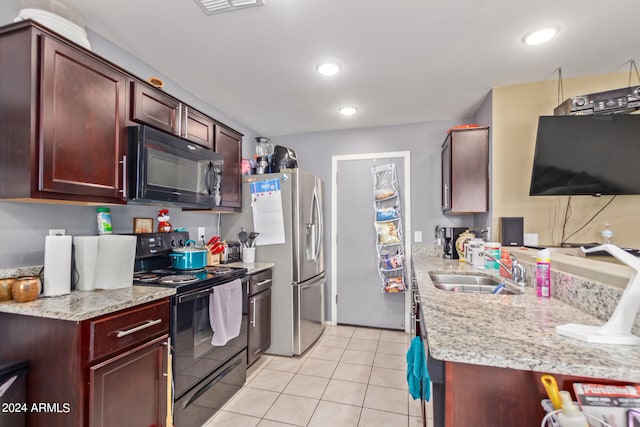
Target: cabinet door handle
[[264, 282], [149, 324], [252, 301], [178, 128], [185, 116], [446, 196], [123, 162]]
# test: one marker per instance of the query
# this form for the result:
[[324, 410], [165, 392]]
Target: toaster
[[231, 252]]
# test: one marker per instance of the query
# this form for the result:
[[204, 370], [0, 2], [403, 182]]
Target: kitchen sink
[[467, 283]]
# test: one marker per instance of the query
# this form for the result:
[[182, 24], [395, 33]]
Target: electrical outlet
[[57, 232], [201, 233]]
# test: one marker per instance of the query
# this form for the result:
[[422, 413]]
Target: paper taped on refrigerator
[[268, 218]]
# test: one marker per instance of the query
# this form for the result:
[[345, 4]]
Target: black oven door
[[165, 168], [194, 357]]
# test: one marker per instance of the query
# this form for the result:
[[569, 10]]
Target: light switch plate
[[417, 236]]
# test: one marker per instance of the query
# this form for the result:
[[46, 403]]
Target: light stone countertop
[[256, 267], [83, 305], [513, 331]]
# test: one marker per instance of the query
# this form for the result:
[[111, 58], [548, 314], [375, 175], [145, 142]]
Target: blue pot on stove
[[189, 257]]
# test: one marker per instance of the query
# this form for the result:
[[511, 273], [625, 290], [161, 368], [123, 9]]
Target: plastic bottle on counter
[[570, 415], [492, 249], [543, 273], [505, 259], [104, 220]]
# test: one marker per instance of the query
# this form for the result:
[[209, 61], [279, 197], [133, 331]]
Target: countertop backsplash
[[590, 296]]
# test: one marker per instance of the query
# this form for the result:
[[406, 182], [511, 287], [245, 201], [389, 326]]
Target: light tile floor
[[351, 377]]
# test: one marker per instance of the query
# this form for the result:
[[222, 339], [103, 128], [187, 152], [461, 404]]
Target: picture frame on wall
[[142, 225]]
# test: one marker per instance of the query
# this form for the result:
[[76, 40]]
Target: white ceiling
[[404, 61]]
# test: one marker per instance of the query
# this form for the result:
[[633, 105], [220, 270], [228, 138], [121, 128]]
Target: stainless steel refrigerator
[[298, 276]]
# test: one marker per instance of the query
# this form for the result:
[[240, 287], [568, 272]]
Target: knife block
[[213, 259]]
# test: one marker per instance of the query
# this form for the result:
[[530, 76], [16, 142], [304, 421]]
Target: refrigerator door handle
[[319, 229]]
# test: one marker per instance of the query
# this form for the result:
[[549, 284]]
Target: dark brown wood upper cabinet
[[82, 116], [62, 121], [64, 113], [465, 171], [198, 128], [229, 144], [154, 108]]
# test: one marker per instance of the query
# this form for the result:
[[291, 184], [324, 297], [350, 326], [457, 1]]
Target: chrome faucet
[[517, 270]]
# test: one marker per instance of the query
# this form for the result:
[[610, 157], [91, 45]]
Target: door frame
[[406, 210]]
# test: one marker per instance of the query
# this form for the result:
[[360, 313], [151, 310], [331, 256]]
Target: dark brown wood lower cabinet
[[130, 389], [259, 332], [479, 396], [104, 371]]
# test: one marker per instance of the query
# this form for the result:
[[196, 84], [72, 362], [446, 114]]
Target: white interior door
[[357, 283]]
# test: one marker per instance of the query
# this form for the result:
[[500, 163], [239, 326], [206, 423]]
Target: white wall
[[423, 140], [314, 151]]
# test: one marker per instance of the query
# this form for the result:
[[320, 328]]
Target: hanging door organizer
[[388, 226]]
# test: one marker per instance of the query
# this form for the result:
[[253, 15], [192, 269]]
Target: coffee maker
[[449, 236]]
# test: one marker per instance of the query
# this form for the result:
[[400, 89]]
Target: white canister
[[468, 254], [477, 254]]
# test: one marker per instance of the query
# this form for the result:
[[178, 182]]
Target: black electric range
[[153, 266], [205, 376], [188, 280]]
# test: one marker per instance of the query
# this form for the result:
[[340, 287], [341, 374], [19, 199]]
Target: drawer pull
[[264, 282], [252, 301], [149, 324]]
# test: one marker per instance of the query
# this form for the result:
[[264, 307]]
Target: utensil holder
[[248, 255]]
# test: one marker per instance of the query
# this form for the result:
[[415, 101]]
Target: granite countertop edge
[[513, 331], [253, 267], [84, 305]]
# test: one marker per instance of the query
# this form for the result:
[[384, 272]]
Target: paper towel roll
[[116, 258], [57, 265], [85, 254]]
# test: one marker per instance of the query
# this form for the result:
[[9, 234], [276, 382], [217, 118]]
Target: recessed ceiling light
[[328, 68], [540, 36], [347, 110]]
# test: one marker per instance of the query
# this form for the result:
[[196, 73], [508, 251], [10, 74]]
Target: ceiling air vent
[[216, 6]]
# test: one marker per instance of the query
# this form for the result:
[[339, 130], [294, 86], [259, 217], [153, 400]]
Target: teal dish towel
[[417, 373]]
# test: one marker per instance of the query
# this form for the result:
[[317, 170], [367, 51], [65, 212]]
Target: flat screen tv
[[587, 155]]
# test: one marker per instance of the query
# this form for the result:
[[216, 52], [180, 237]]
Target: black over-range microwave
[[166, 169]]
